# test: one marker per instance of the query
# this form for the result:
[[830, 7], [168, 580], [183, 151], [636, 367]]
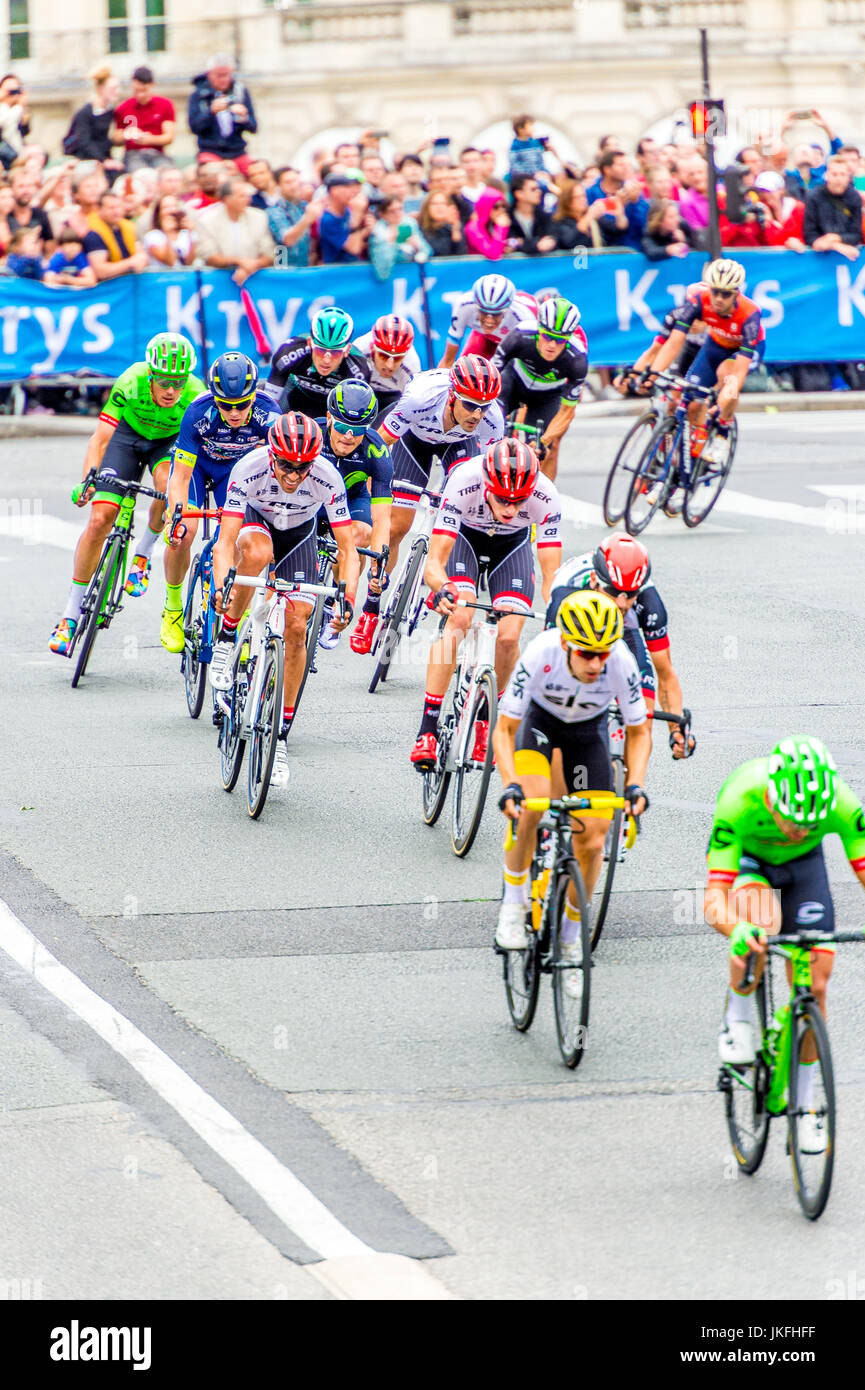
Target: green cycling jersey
[[130, 399]]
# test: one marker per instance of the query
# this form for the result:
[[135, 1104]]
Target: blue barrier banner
[[813, 306]]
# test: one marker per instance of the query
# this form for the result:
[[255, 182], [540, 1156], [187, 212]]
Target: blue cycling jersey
[[204, 436]]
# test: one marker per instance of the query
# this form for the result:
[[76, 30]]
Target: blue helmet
[[233, 378], [493, 293], [352, 403]]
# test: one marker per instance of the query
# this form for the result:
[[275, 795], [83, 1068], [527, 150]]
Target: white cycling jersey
[[541, 675], [252, 484], [464, 501], [522, 312], [408, 368], [421, 409]]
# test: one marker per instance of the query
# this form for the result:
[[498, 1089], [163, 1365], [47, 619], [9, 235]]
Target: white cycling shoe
[[280, 772], [811, 1134], [511, 929], [717, 448], [221, 665], [328, 637], [572, 953], [736, 1043]]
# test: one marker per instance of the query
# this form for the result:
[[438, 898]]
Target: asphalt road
[[326, 975]]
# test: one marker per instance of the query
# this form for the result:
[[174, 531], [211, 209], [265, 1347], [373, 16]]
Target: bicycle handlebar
[[802, 939], [97, 479], [380, 557], [421, 491], [495, 615]]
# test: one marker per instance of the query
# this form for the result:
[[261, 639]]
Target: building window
[[19, 36], [118, 29], [155, 10]]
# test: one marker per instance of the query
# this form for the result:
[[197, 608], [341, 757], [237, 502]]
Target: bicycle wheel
[[572, 974], [390, 631], [604, 885], [436, 783], [265, 729], [522, 971], [654, 476], [231, 744], [194, 622], [745, 1089], [625, 464], [313, 628], [707, 481], [95, 601], [812, 1172], [472, 780]]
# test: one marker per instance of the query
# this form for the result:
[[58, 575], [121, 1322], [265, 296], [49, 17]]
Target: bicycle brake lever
[[228, 585], [340, 598]]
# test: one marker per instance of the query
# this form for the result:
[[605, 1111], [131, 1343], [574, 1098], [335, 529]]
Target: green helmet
[[331, 328], [170, 354], [803, 779], [558, 317]]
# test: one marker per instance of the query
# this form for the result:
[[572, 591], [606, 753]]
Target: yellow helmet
[[589, 619]]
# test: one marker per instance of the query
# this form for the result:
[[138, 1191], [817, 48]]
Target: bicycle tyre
[[666, 429], [194, 671], [745, 1100], [614, 836], [690, 515], [313, 628], [436, 783], [813, 1193], [99, 586], [464, 830], [572, 1038], [390, 630], [262, 745], [232, 746], [612, 514], [522, 974]]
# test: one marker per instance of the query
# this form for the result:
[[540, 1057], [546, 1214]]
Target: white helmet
[[725, 275], [558, 318], [493, 293]]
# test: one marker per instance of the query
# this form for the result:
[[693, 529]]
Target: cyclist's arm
[[669, 351], [725, 851], [638, 748], [504, 739], [380, 534], [549, 559], [717, 909], [99, 441], [182, 464], [348, 562], [225, 548], [669, 688], [449, 355], [560, 423], [435, 575]]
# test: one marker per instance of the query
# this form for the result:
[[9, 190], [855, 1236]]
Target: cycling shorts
[[584, 746], [412, 462], [704, 368], [541, 406], [803, 887], [507, 561], [128, 454], [295, 552]]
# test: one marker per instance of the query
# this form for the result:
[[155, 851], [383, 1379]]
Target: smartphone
[[803, 115], [859, 182], [442, 142], [610, 204], [379, 134]]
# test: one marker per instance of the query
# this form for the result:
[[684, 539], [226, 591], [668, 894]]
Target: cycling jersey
[[464, 503], [541, 676], [648, 614], [743, 825], [253, 486], [204, 435], [295, 383], [564, 377], [421, 410], [741, 330], [370, 461], [522, 312], [130, 400], [695, 336], [389, 385]]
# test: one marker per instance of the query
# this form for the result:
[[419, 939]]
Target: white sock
[[740, 1007], [572, 922], [805, 1086], [144, 549], [75, 599], [516, 886]]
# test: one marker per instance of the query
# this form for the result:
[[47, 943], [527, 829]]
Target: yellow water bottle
[[539, 892]]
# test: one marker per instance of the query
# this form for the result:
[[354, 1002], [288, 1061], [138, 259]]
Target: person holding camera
[[221, 114], [14, 119]]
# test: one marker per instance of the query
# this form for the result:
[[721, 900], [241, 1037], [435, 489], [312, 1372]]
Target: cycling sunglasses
[[618, 593], [169, 382], [473, 407], [724, 294], [234, 405], [587, 655], [297, 468], [342, 428]]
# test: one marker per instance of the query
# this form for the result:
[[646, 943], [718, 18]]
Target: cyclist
[[392, 359], [488, 312], [362, 460], [137, 429], [551, 738], [306, 368], [625, 382], [449, 415], [621, 567], [484, 526], [735, 343], [766, 873], [217, 429], [269, 520], [543, 369]]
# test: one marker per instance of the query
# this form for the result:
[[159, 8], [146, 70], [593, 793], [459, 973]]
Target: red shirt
[[151, 117]]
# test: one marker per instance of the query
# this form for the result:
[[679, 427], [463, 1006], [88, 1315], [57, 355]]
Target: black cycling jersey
[[534, 373], [370, 460], [296, 384]]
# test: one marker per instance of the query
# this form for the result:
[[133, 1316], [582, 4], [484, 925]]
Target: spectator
[[291, 219], [665, 234], [14, 122], [347, 153], [25, 213], [88, 185], [809, 161], [89, 134], [489, 162], [7, 204], [833, 213], [233, 235], [111, 245], [788, 213], [55, 196], [169, 184], [393, 185], [69, 267], [262, 178], [205, 191], [138, 192], [170, 241], [648, 159], [24, 258], [411, 168], [473, 181], [486, 231], [440, 221], [591, 174], [450, 180], [395, 239], [751, 157], [526, 154], [221, 113], [346, 222], [694, 200], [144, 124], [659, 183], [531, 227], [574, 223], [625, 209]]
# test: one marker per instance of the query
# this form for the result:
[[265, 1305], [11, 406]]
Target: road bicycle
[[252, 709], [628, 455], [792, 1037], [471, 695], [199, 615], [554, 871], [104, 596], [667, 466], [327, 556], [404, 607]]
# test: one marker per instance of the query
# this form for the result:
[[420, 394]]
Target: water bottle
[[539, 884]]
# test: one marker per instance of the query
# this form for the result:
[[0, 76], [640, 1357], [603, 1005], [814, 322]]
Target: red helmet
[[392, 335], [622, 563], [511, 470], [295, 438], [475, 379]]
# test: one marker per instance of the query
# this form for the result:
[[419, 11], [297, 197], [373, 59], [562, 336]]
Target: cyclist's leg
[[295, 557], [731, 379], [462, 567], [588, 770], [704, 372], [532, 761], [754, 900], [806, 901], [411, 459], [187, 487], [511, 582]]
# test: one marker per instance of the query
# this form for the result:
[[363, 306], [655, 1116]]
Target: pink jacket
[[480, 236]]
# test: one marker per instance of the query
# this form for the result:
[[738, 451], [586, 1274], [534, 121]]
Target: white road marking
[[41, 529], [349, 1264], [772, 509], [855, 490], [587, 514]]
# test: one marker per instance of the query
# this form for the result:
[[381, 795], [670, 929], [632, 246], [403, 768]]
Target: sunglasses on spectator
[[299, 469], [342, 428], [588, 656], [234, 405]]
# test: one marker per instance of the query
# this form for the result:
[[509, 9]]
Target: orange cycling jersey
[[742, 329]]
